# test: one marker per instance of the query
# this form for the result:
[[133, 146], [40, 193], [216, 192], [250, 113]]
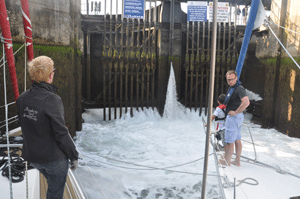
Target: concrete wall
[[267, 46], [281, 107], [52, 20], [57, 34]]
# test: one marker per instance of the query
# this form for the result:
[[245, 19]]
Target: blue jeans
[[56, 174]]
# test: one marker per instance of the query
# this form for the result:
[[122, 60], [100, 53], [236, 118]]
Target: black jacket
[[41, 115]]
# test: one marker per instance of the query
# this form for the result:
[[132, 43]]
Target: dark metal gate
[[127, 61], [197, 60], [124, 54]]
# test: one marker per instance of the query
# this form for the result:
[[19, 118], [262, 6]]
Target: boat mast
[[6, 34], [27, 29], [211, 94]]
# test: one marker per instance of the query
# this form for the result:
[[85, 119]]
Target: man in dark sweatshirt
[[47, 143]]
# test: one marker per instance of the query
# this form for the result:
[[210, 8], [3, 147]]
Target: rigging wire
[[267, 24], [8, 104], [94, 178], [14, 55], [14, 117], [284, 28], [9, 123], [149, 167]]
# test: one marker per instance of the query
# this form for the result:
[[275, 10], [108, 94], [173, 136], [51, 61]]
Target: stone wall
[[57, 34], [281, 106]]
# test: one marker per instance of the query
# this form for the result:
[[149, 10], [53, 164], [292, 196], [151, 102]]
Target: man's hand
[[74, 165], [232, 113]]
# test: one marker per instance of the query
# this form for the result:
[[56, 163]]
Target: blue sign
[[134, 9], [196, 11]]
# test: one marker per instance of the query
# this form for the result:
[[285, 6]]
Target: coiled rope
[[228, 184]]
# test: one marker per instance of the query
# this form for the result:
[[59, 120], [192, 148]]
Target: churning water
[[149, 156]]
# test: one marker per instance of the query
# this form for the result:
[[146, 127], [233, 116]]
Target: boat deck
[[37, 184], [69, 192]]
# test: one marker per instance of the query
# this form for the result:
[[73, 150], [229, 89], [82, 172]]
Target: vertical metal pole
[[132, 65], [172, 4], [234, 43], [186, 62], [144, 64], [25, 64], [211, 93], [6, 124], [197, 65], [192, 65], [87, 7], [229, 45], [149, 57], [154, 54], [88, 67], [111, 52], [105, 63], [138, 62], [116, 61], [26, 174], [127, 52], [122, 65], [234, 191]]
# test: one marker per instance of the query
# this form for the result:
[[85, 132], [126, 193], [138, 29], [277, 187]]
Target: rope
[[284, 28], [94, 178], [228, 184], [151, 168], [267, 24]]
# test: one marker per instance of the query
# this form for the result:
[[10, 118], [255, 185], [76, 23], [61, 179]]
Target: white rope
[[94, 178], [267, 24], [285, 28], [6, 116], [26, 17], [151, 168]]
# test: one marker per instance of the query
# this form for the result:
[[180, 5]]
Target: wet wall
[[57, 34]]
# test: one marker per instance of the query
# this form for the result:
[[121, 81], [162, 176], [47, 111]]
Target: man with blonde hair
[[236, 103], [47, 143]]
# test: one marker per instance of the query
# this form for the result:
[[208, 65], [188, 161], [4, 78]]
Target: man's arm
[[245, 103]]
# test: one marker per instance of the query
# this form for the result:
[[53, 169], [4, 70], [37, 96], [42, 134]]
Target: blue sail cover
[[244, 48]]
